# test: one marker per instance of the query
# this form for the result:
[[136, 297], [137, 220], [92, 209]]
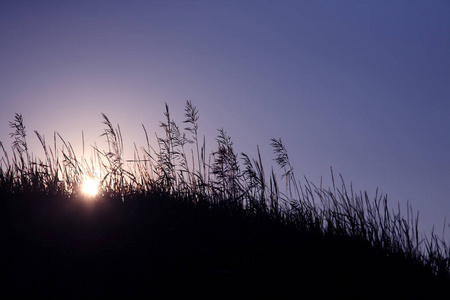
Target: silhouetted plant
[[179, 172], [226, 169], [198, 176]]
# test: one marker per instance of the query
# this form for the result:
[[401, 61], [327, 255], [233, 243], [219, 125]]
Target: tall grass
[[179, 167]]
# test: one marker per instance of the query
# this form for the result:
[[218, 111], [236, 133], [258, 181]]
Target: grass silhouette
[[174, 221]]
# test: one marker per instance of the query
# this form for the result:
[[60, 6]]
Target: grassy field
[[175, 221]]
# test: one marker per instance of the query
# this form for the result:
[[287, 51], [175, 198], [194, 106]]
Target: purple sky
[[363, 87]]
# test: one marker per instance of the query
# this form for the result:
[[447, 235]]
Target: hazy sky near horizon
[[362, 86]]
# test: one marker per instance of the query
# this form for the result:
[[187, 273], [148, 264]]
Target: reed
[[178, 168]]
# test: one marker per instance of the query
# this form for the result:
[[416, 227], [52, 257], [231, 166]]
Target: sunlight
[[90, 186]]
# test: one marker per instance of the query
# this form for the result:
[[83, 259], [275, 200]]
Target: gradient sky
[[362, 86]]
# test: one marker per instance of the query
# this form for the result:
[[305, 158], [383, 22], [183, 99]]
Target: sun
[[90, 186]]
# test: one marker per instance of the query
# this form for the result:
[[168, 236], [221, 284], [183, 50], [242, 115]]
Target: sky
[[360, 86]]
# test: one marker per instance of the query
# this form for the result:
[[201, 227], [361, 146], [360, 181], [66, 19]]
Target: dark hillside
[[156, 246]]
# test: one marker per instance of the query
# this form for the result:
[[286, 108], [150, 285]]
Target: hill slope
[[156, 246]]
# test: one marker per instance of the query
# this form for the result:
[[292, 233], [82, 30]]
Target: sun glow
[[90, 186]]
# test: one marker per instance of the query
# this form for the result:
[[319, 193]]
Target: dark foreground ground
[[69, 248]]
